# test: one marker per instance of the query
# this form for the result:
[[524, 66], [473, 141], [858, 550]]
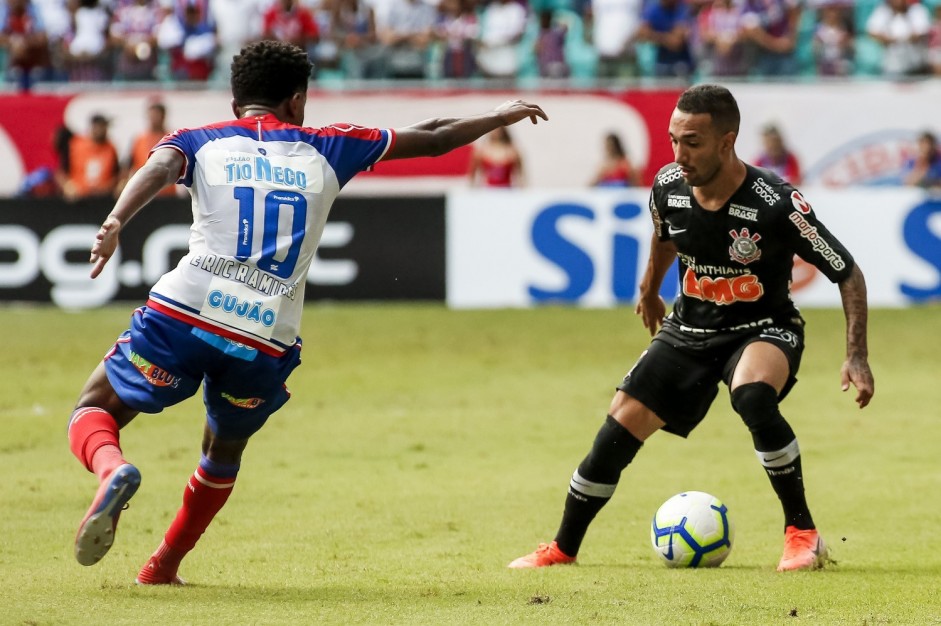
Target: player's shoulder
[[347, 130], [769, 189], [667, 176]]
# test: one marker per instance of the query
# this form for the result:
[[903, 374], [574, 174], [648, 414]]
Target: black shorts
[[678, 376]]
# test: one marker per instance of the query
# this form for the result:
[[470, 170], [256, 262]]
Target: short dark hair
[[269, 72], [715, 100]]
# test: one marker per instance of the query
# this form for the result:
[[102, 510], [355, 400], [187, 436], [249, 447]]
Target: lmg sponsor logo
[[722, 290]]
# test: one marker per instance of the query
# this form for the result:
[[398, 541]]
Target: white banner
[[589, 248]]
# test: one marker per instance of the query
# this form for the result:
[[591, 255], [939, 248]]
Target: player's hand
[[106, 242], [652, 310], [856, 370], [513, 111]]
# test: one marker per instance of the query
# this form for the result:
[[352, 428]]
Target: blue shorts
[[161, 361]]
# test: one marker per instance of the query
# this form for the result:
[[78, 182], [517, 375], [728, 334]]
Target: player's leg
[[93, 433], [646, 401], [241, 392], [628, 424], [95, 423], [143, 372], [763, 371], [205, 494]]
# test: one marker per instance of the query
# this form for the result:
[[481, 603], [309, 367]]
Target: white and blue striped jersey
[[261, 193]]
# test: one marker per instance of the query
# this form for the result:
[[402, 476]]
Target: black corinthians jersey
[[735, 263]]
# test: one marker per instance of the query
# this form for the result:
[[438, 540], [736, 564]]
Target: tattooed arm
[[855, 368]]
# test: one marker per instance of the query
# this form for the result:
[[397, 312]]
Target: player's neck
[[713, 195], [254, 110]]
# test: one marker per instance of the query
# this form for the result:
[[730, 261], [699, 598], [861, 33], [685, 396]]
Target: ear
[[296, 107], [236, 110], [728, 141]]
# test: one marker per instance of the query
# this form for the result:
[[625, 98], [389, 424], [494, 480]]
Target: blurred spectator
[[23, 36], [771, 28], [325, 53], [934, 42], [720, 30], [667, 24], [550, 47], [61, 142], [286, 20], [55, 18], [502, 26], [615, 169], [833, 41], [354, 27], [614, 24], [924, 169], [238, 22], [902, 28], [86, 51], [134, 35], [190, 42], [777, 157], [458, 29], [381, 10], [145, 141], [93, 163], [495, 161], [406, 37]]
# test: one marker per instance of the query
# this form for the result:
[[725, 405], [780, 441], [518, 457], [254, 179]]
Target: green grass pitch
[[424, 449]]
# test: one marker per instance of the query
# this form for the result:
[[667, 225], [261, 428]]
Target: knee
[[757, 404], [636, 418], [613, 449], [224, 451]]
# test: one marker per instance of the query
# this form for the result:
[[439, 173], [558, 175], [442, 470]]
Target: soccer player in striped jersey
[[228, 315]]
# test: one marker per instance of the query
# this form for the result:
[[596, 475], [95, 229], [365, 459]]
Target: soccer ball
[[692, 529]]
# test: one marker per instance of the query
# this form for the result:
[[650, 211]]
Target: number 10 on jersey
[[278, 261]]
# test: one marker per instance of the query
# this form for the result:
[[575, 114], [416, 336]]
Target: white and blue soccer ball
[[692, 529]]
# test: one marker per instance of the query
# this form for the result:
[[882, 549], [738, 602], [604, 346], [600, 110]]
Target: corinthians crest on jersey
[[744, 248]]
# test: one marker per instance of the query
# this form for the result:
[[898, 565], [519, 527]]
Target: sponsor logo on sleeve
[[809, 232], [799, 203], [669, 176]]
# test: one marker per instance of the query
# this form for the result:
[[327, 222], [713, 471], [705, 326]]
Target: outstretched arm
[[855, 368], [162, 168], [650, 306], [437, 136]]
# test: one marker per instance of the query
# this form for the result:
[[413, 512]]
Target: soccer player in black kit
[[735, 229]]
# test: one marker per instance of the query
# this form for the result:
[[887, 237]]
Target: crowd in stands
[[194, 40]]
